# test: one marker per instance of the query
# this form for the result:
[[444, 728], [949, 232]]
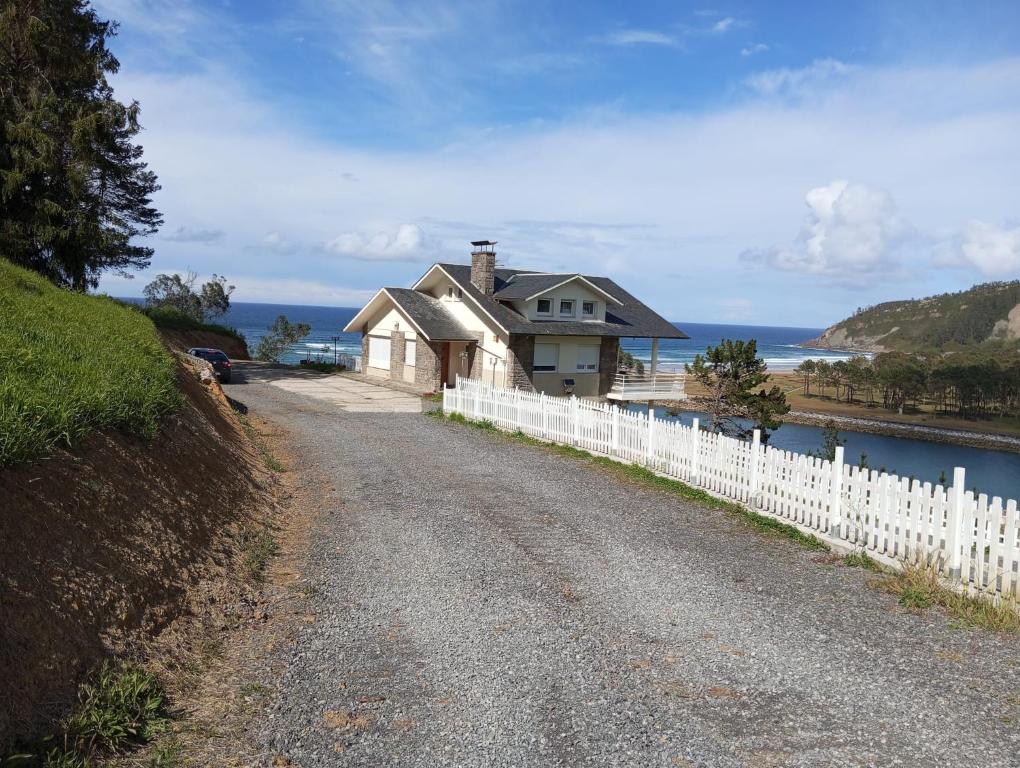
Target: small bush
[[171, 319]]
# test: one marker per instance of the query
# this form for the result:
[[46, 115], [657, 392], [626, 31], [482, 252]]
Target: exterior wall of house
[[489, 361], [520, 362], [397, 344], [428, 358], [586, 384], [577, 292], [387, 323]]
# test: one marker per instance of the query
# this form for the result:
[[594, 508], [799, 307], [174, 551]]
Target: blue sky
[[767, 163]]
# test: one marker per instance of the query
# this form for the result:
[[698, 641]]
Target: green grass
[[120, 706], [860, 559], [71, 364], [258, 548], [645, 477], [173, 320]]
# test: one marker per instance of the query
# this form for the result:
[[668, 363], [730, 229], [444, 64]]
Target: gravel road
[[485, 603]]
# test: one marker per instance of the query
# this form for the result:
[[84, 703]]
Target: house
[[545, 332]]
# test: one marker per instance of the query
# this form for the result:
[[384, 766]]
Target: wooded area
[[971, 383]]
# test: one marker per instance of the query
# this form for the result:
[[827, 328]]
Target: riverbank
[[972, 439]]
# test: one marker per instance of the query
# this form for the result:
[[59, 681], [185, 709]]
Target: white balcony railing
[[634, 387]]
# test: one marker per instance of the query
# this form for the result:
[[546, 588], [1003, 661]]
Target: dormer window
[[588, 309], [566, 307], [544, 307]]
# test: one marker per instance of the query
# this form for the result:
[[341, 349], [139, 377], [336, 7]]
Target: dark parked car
[[220, 362]]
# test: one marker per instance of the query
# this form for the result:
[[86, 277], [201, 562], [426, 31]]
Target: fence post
[[576, 414], [545, 415], [615, 446], [954, 524], [836, 495], [695, 448], [755, 450], [650, 457]]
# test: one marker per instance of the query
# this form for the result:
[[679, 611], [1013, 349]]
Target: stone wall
[[475, 357], [427, 363], [398, 344], [520, 360], [609, 353]]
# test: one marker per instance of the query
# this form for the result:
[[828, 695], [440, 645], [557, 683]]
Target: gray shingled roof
[[431, 317], [525, 285], [632, 319]]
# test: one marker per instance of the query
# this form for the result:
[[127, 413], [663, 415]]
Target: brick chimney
[[483, 265]]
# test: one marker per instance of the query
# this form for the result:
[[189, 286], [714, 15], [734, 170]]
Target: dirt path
[[481, 602]]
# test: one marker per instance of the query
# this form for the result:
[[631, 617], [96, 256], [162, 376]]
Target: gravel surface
[[485, 603]]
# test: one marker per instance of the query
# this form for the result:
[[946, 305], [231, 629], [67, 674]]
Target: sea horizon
[[780, 346]]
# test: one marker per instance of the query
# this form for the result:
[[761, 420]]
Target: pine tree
[[74, 191], [730, 373]]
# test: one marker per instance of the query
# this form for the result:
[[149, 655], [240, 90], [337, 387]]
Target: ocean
[[778, 346]]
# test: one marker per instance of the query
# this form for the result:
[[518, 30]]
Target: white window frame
[[594, 308], [587, 367], [545, 367], [573, 308], [540, 312], [410, 351]]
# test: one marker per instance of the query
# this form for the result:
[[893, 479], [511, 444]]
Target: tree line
[[977, 382]]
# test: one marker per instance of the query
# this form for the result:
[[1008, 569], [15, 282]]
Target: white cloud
[[993, 250], [850, 234], [724, 25], [699, 187], [274, 242], [406, 243], [756, 48], [638, 37], [797, 82], [193, 235]]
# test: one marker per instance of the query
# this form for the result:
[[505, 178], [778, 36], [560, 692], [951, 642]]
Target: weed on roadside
[[918, 588], [272, 463], [257, 547], [120, 707], [860, 559], [167, 753]]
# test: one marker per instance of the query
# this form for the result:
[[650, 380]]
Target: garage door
[[379, 352]]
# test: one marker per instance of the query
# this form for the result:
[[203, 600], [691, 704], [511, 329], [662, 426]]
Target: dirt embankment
[[235, 348], [108, 545]]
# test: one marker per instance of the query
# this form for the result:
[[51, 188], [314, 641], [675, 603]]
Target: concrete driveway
[[346, 393]]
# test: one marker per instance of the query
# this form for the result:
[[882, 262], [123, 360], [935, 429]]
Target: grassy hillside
[[71, 364], [988, 312]]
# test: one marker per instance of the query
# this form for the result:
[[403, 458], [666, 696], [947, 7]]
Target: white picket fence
[[971, 540]]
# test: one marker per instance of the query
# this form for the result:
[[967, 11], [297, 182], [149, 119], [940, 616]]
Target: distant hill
[[987, 312]]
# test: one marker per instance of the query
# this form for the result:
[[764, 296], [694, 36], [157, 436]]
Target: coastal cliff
[[985, 313]]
